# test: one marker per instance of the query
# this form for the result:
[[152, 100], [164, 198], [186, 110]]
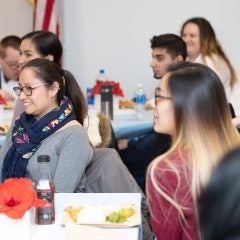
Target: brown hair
[[210, 44]]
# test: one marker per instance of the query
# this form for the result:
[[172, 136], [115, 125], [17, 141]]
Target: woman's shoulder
[[173, 173], [174, 158], [72, 128], [172, 166]]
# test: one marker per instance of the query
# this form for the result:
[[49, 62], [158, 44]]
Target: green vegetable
[[120, 216]]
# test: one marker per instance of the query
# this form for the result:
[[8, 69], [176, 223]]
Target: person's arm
[[74, 156]]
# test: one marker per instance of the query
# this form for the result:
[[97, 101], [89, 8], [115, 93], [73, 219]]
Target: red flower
[[2, 101], [17, 196], [117, 91]]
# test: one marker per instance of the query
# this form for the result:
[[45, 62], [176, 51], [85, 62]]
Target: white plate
[[132, 221]]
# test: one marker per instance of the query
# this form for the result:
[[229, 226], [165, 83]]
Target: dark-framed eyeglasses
[[158, 97], [27, 90]]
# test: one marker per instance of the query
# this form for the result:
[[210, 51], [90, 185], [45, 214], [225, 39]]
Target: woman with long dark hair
[[191, 106]]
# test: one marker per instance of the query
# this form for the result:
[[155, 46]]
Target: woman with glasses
[[52, 123], [191, 106], [38, 44]]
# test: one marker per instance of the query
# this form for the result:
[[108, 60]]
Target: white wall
[[16, 17], [115, 35]]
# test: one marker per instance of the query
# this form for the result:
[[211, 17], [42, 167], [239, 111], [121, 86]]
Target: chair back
[[107, 173]]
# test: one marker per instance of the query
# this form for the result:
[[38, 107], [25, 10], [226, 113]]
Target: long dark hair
[[203, 127], [49, 72], [46, 43]]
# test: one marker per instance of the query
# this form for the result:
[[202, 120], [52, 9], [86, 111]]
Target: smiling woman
[[204, 47], [32, 89], [191, 106], [52, 123], [37, 44]]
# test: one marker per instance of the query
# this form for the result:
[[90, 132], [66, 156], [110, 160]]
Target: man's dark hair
[[173, 44]]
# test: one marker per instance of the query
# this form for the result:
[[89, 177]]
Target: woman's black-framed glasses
[[159, 97], [27, 90]]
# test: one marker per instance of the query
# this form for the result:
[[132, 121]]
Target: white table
[[62, 200]]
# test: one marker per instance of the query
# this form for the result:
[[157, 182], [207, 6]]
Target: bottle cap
[[101, 71], [43, 158]]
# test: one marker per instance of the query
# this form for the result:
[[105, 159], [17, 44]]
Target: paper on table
[[76, 232]]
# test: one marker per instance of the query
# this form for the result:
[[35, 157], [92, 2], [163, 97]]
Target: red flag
[[46, 16]]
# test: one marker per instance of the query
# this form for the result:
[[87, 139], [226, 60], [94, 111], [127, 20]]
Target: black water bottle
[[45, 190], [107, 100]]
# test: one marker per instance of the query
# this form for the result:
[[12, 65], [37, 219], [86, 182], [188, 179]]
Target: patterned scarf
[[27, 135]]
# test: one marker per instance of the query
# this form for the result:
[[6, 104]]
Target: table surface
[[26, 228], [63, 200], [125, 125]]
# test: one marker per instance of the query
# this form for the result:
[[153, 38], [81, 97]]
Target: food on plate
[[4, 128], [73, 212], [126, 104], [120, 216], [9, 105], [126, 212], [90, 214], [115, 217], [102, 215]]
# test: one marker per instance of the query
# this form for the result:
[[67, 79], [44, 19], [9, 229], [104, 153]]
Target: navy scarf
[[27, 135]]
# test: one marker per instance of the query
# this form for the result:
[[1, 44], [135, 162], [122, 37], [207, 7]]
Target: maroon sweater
[[165, 219]]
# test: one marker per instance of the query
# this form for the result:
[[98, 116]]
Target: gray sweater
[[70, 153]]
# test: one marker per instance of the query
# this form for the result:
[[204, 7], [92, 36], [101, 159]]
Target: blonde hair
[[210, 46], [203, 128]]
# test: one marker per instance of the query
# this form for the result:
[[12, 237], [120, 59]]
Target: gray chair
[[107, 174]]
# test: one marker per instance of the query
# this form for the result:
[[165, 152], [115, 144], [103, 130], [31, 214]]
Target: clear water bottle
[[102, 75], [45, 190], [140, 101]]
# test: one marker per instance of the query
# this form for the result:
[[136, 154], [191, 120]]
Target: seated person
[[52, 123], [191, 106], [46, 45], [9, 56], [219, 210], [137, 153]]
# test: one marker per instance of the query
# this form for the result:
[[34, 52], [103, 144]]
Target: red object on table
[[117, 91], [2, 101]]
